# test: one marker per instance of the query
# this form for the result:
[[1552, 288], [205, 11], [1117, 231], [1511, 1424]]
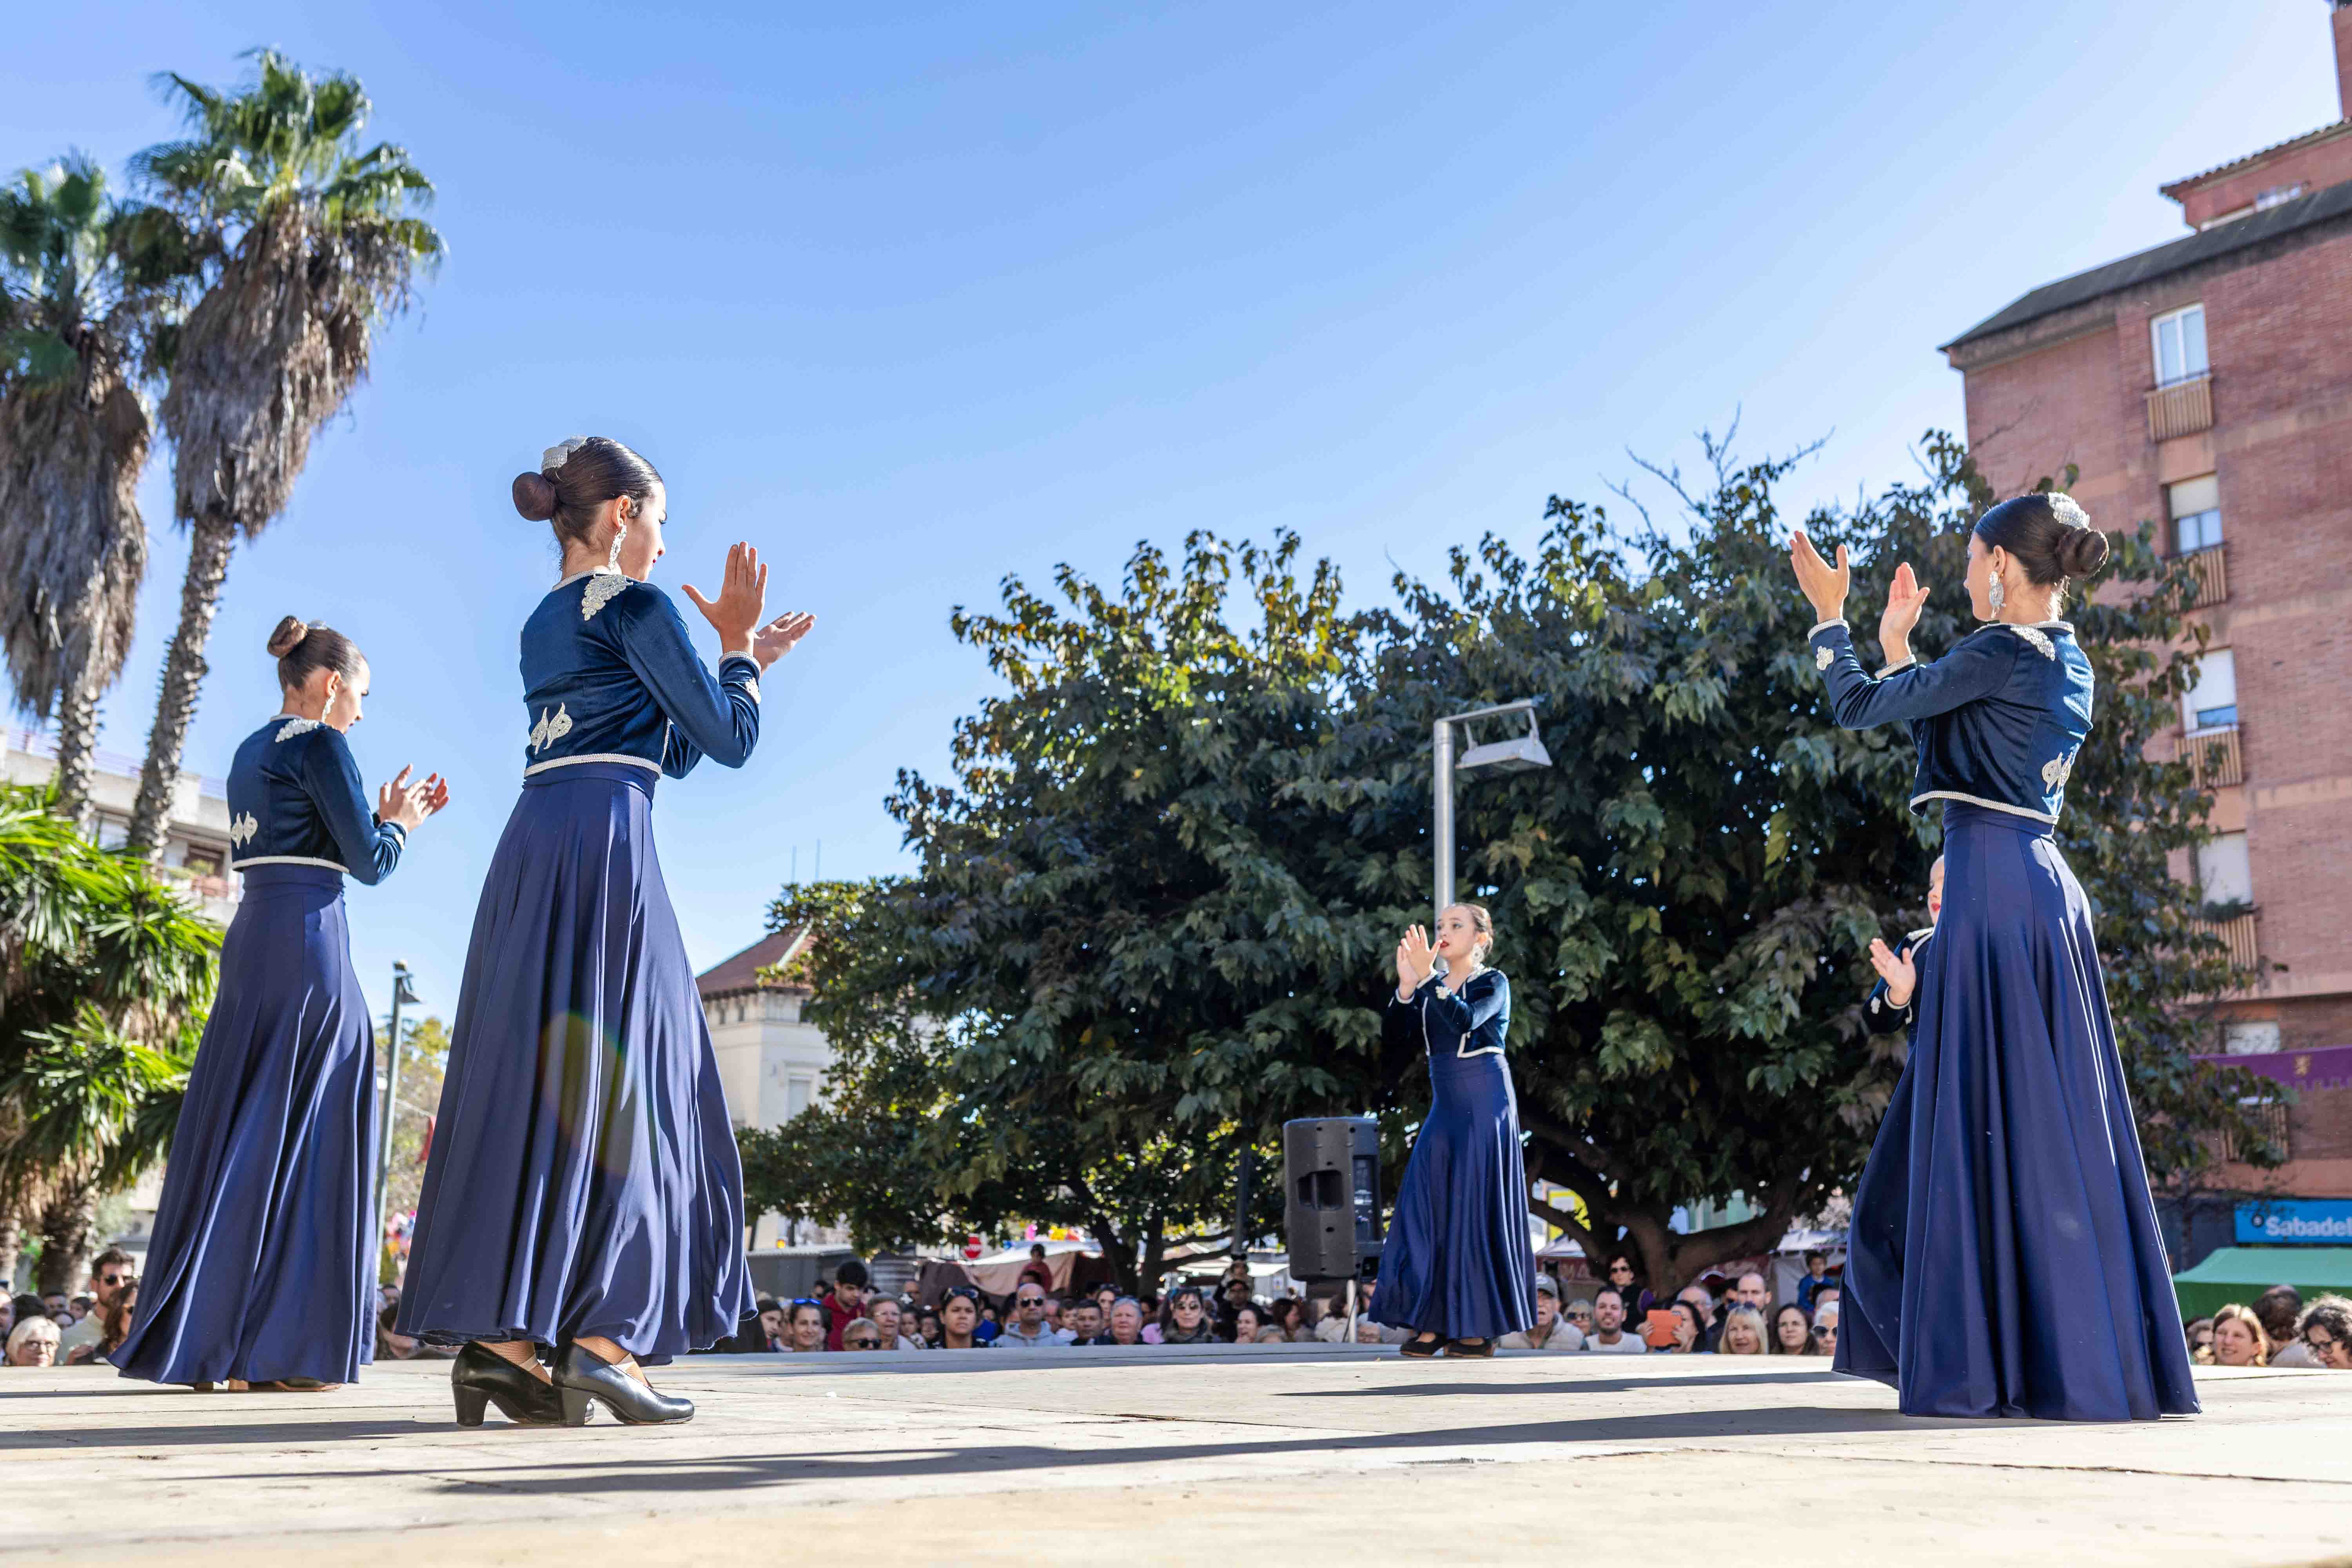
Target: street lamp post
[[1517, 754], [403, 991]]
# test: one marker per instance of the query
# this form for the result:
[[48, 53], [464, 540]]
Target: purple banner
[[2327, 1068]]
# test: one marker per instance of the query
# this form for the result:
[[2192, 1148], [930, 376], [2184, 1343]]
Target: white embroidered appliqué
[[605, 585], [2055, 772], [2040, 641], [751, 685], [293, 727], [241, 831], [1824, 657], [550, 729]]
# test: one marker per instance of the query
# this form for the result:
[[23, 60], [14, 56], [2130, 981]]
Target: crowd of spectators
[[1712, 1317], [2278, 1330]]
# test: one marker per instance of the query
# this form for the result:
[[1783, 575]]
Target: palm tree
[[104, 975], [89, 291], [320, 242]]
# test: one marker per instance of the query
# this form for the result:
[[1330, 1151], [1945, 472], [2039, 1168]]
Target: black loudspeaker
[[1331, 1196]]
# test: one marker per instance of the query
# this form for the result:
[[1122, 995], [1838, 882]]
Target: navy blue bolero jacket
[[1998, 720], [1467, 1023], [609, 675], [295, 799]]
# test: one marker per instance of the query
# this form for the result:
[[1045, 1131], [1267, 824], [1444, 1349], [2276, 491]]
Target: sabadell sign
[[2320, 1222]]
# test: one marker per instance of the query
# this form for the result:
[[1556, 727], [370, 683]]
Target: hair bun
[[2081, 551], [534, 496], [287, 637]]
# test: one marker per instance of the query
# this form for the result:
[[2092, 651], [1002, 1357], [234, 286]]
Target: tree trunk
[[77, 742], [209, 542], [67, 1227], [12, 1250]]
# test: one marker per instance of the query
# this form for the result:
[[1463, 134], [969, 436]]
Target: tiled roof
[[741, 973], [2180, 187], [2241, 233]]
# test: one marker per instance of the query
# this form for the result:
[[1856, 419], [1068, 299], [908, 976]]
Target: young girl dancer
[[584, 1190], [261, 1272], [1459, 1268], [2004, 1258]]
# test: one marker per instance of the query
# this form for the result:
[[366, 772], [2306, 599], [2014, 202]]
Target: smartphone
[[1658, 1329]]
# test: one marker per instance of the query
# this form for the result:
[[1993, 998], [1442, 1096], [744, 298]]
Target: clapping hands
[[410, 804], [1414, 961]]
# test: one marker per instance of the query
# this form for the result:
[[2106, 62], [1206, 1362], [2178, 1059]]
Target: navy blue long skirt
[[584, 1179], [262, 1259], [1457, 1261], [2004, 1258]]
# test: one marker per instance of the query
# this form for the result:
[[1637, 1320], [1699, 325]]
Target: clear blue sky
[[935, 294]]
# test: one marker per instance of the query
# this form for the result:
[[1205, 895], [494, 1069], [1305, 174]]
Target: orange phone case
[[1658, 1328]]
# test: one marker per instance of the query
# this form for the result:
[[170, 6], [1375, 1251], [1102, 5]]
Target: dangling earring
[[1993, 595], [612, 556]]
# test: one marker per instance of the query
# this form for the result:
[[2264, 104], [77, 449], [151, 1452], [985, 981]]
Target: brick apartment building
[[2207, 385]]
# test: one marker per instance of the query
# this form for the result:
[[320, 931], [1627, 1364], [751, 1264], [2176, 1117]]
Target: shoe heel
[[470, 1403], [575, 1406]]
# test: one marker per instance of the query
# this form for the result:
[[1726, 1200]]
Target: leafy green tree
[[89, 292], [316, 240], [101, 998], [1115, 965]]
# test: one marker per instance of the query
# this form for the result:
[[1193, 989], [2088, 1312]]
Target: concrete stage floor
[[1317, 1454]]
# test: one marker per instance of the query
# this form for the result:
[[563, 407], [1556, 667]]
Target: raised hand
[[1902, 976], [1414, 960], [781, 636], [1906, 596], [742, 600], [1823, 585], [410, 804]]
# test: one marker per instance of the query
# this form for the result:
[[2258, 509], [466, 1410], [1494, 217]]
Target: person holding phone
[[1457, 1270]]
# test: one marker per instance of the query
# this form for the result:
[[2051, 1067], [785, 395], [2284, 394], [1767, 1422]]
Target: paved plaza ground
[[1318, 1454]]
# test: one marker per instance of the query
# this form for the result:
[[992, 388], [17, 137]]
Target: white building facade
[[771, 1063]]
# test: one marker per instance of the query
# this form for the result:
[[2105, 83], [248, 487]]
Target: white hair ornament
[[555, 457]]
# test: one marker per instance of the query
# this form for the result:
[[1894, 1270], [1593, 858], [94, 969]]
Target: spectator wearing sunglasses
[[861, 1334], [1184, 1318], [1029, 1330], [106, 1277]]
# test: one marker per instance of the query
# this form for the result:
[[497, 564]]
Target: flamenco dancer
[[1458, 1269], [261, 1271], [584, 1191], [1891, 1007], [2004, 1258]]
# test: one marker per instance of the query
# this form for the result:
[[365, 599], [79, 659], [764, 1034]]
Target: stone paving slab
[[1160, 1456]]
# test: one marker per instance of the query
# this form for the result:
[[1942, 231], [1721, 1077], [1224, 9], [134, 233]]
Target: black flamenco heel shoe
[[1421, 1347], [1475, 1349], [582, 1377], [479, 1378]]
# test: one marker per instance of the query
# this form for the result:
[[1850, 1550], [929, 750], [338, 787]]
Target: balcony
[[2237, 934], [2181, 409], [2270, 1119], [2214, 757], [2211, 568]]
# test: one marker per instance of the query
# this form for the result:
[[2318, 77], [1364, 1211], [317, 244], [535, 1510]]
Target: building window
[[798, 1089], [2276, 195], [2179, 340], [2223, 873], [2195, 506], [2251, 1037], [2212, 700]]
